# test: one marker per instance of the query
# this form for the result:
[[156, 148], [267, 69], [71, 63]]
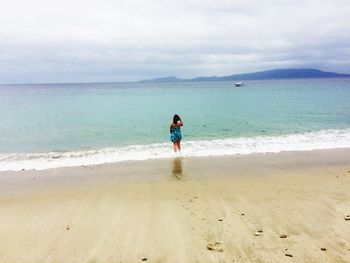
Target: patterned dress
[[176, 134]]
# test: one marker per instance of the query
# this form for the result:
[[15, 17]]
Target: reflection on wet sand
[[177, 168]]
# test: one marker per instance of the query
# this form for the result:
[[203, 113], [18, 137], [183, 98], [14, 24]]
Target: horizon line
[[180, 79]]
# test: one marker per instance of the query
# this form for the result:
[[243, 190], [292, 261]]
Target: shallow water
[[132, 119]]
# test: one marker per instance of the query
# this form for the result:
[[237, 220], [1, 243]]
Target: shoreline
[[198, 209], [340, 152], [307, 141]]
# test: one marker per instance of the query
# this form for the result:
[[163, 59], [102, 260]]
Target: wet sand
[[212, 209]]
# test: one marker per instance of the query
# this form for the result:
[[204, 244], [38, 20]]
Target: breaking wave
[[326, 139]]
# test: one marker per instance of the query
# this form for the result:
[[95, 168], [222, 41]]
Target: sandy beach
[[286, 207]]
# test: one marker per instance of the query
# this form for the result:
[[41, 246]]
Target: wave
[[326, 139]]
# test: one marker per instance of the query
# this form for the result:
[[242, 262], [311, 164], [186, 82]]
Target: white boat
[[239, 84]]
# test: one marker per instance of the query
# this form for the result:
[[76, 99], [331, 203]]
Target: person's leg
[[175, 146], [179, 145]]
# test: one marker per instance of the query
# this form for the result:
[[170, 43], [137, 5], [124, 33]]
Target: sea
[[46, 126]]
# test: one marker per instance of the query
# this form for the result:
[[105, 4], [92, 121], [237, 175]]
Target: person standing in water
[[175, 132]]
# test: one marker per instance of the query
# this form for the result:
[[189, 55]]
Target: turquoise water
[[77, 117], [36, 118]]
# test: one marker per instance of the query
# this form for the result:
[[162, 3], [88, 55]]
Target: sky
[[46, 41]]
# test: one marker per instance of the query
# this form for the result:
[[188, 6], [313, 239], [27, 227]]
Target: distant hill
[[165, 79], [268, 74]]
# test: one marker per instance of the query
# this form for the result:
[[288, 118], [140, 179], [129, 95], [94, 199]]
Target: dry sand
[[227, 209]]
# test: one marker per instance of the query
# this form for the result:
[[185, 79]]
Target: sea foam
[[326, 139]]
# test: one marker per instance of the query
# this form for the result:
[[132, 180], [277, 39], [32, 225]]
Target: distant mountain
[[165, 79], [269, 74]]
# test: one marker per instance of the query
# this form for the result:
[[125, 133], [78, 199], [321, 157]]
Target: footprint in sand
[[215, 247]]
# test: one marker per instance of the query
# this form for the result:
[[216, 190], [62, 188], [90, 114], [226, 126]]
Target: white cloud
[[60, 41]]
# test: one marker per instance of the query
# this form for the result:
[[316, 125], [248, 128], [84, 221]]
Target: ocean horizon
[[57, 125]]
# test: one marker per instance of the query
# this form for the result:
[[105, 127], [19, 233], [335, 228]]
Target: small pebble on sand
[[210, 247], [257, 234], [323, 248], [283, 236], [347, 217], [144, 259], [288, 255]]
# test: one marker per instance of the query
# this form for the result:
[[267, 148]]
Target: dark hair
[[176, 118]]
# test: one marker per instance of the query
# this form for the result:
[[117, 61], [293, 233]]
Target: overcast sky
[[92, 41]]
